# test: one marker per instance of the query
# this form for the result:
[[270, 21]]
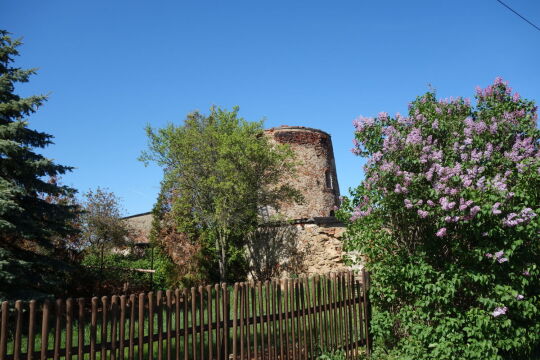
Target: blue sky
[[111, 67]]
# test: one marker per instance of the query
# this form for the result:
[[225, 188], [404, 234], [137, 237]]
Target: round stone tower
[[315, 176]]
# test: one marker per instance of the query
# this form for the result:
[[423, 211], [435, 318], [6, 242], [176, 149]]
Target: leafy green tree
[[102, 226], [219, 172], [25, 215], [447, 222]]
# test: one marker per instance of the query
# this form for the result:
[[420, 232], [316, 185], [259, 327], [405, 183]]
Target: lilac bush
[[447, 219]]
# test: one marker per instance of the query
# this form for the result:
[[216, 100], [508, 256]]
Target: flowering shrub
[[447, 221]]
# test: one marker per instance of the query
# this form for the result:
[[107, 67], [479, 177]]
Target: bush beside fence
[[278, 319]]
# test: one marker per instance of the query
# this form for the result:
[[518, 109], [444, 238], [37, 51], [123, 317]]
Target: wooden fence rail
[[279, 319]]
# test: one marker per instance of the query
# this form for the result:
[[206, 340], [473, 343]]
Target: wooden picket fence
[[279, 319]]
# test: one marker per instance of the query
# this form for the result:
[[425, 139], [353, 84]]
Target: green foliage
[[24, 212], [118, 270], [25, 275], [219, 172], [31, 223], [102, 226], [332, 355], [447, 222]]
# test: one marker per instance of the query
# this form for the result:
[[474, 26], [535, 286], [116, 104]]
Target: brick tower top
[[315, 175]]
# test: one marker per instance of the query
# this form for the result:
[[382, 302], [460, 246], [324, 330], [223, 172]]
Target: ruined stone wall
[[319, 240], [315, 175]]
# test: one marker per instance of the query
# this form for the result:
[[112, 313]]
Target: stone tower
[[315, 175]]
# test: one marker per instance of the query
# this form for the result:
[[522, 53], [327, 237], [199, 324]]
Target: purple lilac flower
[[521, 149], [503, 259], [511, 220], [446, 204], [488, 151], [499, 311], [475, 210], [514, 219], [476, 155], [489, 255], [361, 123], [441, 232], [414, 137], [526, 273], [423, 214], [493, 128], [495, 209], [357, 213], [430, 203], [520, 297], [408, 203], [480, 127], [499, 254], [435, 124]]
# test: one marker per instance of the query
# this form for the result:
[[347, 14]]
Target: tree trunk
[[220, 245], [101, 269]]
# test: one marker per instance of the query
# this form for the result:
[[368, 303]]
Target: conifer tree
[[26, 217]]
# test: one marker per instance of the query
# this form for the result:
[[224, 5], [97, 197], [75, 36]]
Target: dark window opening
[[332, 213], [329, 180]]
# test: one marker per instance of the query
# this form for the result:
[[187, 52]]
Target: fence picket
[[226, 315], [44, 330], [159, 307], [235, 322], [280, 317], [201, 321], [58, 329], [209, 315], [4, 329], [131, 351], [93, 328], [193, 324], [31, 330], [18, 330], [151, 306], [261, 317], [177, 323], [365, 286], [253, 297], [114, 325], [104, 326], [217, 290], [80, 329], [140, 327], [242, 316], [186, 314], [122, 328], [168, 320]]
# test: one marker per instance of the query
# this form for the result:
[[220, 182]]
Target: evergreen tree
[[29, 220], [25, 214]]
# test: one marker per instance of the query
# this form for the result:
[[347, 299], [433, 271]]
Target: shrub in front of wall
[[447, 222]]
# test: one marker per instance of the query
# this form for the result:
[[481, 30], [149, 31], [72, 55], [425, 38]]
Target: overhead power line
[[515, 12]]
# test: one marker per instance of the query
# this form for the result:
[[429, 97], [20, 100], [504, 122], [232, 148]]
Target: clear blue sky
[[113, 66]]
